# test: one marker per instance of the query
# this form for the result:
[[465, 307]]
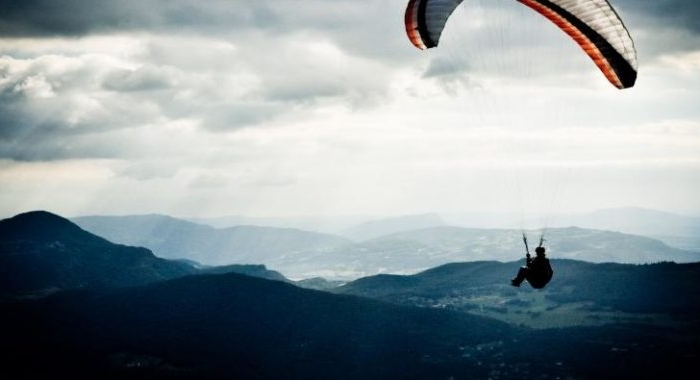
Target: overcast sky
[[323, 107]]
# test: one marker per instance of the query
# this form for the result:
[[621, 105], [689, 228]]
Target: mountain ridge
[[174, 238], [299, 254]]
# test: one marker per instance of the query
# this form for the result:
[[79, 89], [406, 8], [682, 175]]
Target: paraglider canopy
[[593, 24]]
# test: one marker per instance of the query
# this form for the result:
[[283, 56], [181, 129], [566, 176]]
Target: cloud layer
[[292, 106]]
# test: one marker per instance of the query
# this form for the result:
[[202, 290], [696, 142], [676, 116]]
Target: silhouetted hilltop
[[253, 270], [41, 252], [45, 227]]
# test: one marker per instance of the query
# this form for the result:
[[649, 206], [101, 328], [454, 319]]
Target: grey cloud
[[272, 181], [208, 182], [270, 75], [305, 90], [28, 135], [663, 13], [661, 26], [87, 97], [59, 148], [45, 117], [81, 17], [227, 117], [43, 139], [228, 64], [68, 17], [451, 75], [361, 26], [442, 67], [142, 79], [78, 17], [147, 170]]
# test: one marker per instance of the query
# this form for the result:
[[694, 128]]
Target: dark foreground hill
[[237, 327], [43, 252]]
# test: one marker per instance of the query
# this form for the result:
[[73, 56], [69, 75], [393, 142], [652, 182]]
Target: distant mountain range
[[638, 221], [676, 230], [133, 322], [179, 239], [302, 254], [679, 231], [386, 226]]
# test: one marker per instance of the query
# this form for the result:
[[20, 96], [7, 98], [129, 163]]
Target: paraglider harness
[[538, 276]]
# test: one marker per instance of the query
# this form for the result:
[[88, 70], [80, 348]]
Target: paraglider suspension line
[[527, 249]]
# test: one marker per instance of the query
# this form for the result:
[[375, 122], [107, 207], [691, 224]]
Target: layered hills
[[145, 318]]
